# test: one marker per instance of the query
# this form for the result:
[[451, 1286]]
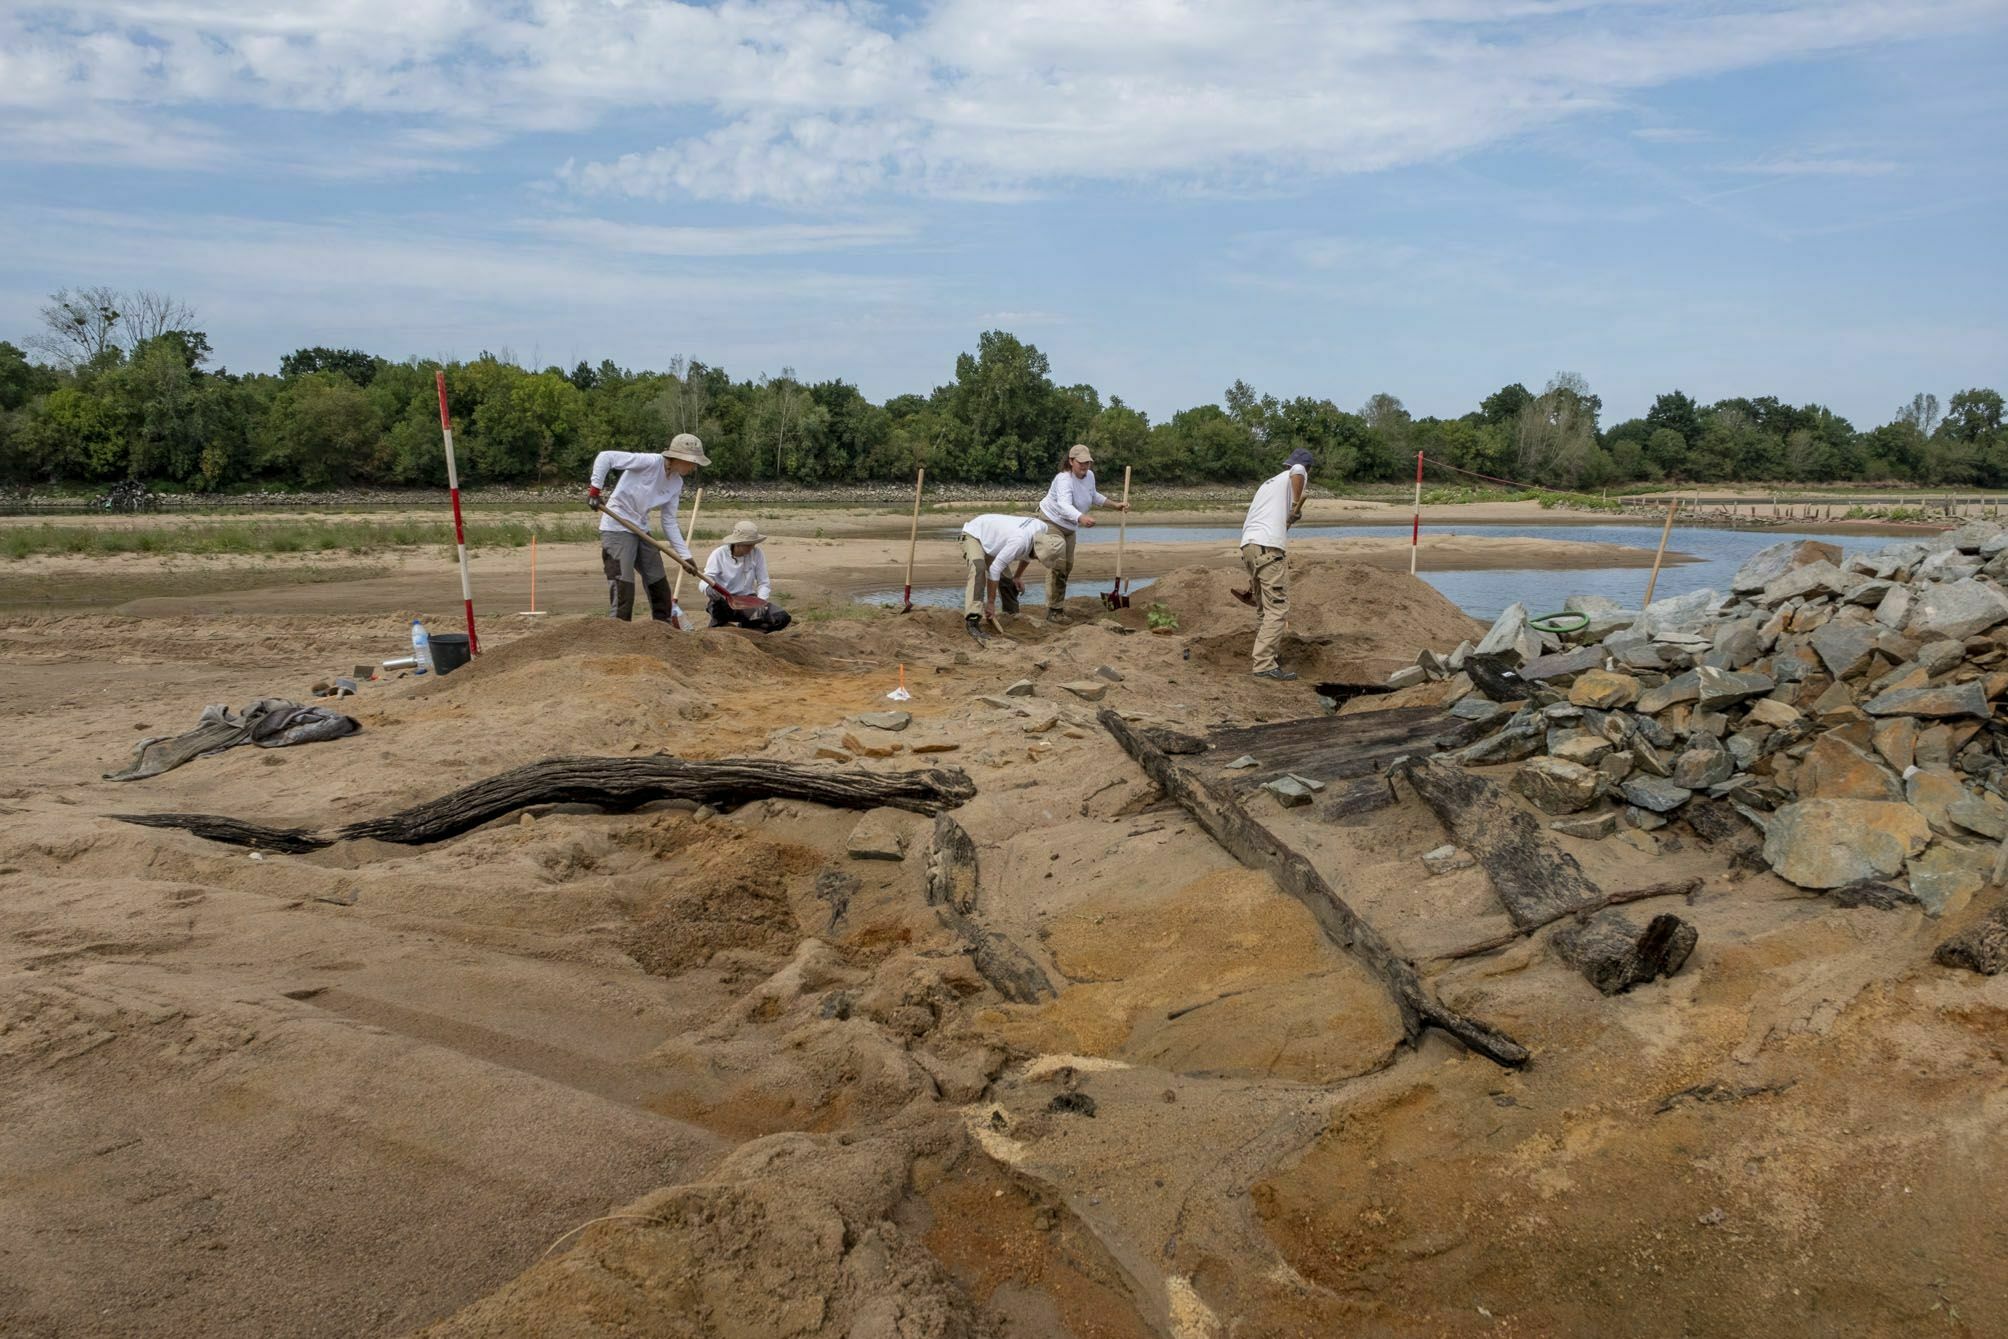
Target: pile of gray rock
[[1843, 707]]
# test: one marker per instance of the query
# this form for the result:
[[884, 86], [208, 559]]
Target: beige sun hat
[[685, 446], [1082, 454], [744, 532]]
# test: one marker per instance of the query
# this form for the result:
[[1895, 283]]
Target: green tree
[[354, 364], [1505, 405], [323, 430]]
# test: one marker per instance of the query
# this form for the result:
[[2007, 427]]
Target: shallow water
[[1482, 594]]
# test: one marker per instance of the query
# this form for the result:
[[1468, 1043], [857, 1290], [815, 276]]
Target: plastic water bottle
[[421, 648]]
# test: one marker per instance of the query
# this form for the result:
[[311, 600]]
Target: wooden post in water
[[1672, 506]]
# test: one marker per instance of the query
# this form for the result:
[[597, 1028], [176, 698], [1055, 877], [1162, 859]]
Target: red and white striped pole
[[1415, 531], [459, 531]]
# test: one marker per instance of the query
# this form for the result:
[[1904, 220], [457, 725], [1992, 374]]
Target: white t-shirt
[[1006, 539], [1268, 520], [1069, 498], [740, 576], [646, 484]]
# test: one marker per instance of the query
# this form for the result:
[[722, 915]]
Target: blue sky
[[1803, 198]]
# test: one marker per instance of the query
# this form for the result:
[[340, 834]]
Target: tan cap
[[744, 532], [1082, 454], [685, 446]]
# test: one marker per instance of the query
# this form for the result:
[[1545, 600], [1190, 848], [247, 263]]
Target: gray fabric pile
[[270, 723]]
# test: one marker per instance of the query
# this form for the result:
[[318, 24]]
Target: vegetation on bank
[[121, 387]]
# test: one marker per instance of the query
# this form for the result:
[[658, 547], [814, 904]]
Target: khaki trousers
[[1270, 573], [978, 583], [1055, 551]]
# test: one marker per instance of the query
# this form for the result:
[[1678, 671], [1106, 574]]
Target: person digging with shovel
[[1278, 504], [648, 481], [1065, 509], [737, 571], [990, 545]]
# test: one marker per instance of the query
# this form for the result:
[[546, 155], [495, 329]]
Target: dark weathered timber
[[618, 784], [1496, 677], [286, 841], [952, 882], [1354, 800], [1537, 880], [1672, 888], [1982, 949], [951, 867], [1616, 955], [1215, 808], [1334, 748]]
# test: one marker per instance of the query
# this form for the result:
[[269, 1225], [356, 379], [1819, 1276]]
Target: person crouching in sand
[[738, 569]]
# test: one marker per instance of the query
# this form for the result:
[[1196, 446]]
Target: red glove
[[593, 498]]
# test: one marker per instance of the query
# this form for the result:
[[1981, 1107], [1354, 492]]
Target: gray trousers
[[623, 556]]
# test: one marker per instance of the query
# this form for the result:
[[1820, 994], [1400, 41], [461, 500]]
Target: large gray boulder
[[1943, 700], [1767, 565], [1510, 632], [1845, 648], [1831, 843], [1556, 785], [1815, 578], [1955, 609], [1718, 688], [1679, 613]]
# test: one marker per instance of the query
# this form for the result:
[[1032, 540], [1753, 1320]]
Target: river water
[[1483, 593]]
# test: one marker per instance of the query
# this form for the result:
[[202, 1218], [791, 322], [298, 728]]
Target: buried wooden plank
[[1216, 809], [1333, 748], [952, 892], [612, 783], [1540, 883], [1536, 880]]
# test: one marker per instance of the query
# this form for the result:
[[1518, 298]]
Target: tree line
[[118, 385]]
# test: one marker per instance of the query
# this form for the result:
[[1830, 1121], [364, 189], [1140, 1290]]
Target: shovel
[[1117, 597], [745, 603], [912, 539], [676, 591]]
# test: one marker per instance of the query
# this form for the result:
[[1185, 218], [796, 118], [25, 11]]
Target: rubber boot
[[658, 601], [974, 622], [623, 600]]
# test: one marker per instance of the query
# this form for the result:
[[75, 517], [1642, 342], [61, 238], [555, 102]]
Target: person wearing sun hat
[[738, 568], [1066, 507], [649, 481]]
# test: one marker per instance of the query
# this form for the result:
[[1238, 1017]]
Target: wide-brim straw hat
[[1082, 454], [685, 446], [744, 532]]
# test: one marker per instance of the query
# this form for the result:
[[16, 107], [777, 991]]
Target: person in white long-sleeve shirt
[[1065, 509], [990, 546], [649, 480], [738, 568]]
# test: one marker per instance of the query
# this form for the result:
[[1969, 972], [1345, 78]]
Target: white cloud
[[794, 101], [1817, 167], [1671, 135], [776, 239]]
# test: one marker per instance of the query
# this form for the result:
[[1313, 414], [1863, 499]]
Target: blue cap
[[1300, 457]]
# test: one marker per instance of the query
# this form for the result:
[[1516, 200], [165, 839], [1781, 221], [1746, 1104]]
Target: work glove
[[593, 499]]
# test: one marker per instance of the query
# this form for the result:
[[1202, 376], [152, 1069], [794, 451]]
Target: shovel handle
[[1122, 527], [676, 591], [647, 538], [913, 535]]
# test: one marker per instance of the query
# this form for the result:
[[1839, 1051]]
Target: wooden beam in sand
[[1223, 818], [619, 784]]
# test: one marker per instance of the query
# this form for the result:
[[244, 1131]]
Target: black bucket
[[449, 651]]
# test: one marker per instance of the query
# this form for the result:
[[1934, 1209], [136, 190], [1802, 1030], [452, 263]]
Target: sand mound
[[1349, 622]]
